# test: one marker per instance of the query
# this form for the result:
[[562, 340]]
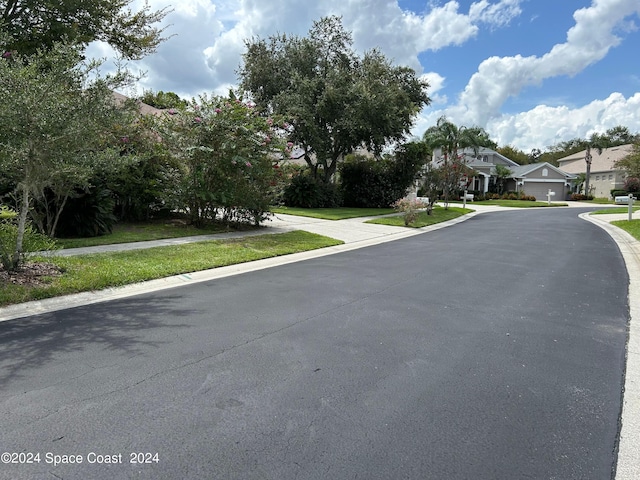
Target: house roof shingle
[[144, 108], [524, 170]]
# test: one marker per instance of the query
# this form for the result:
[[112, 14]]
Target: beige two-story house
[[604, 176]]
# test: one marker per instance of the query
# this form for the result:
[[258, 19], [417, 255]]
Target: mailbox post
[[631, 199], [549, 195]]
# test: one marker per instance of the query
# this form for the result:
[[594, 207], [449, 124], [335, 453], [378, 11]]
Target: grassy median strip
[[98, 271], [438, 215], [632, 227], [614, 210]]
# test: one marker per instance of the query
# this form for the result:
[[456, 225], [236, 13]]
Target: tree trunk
[[52, 233], [22, 224], [587, 159]]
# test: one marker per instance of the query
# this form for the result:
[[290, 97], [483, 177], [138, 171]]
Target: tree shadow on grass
[[126, 327]]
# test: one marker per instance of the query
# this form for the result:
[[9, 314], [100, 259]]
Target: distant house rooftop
[[144, 108]]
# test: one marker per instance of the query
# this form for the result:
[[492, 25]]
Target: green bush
[[6, 212], [307, 192], [89, 214], [578, 197], [32, 242], [377, 183]]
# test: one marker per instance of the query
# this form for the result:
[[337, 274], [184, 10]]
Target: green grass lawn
[[612, 210], [632, 227], [517, 203], [140, 232], [339, 213], [438, 215], [99, 271]]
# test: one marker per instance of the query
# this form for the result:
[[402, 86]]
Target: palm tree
[[450, 138], [598, 143], [502, 173]]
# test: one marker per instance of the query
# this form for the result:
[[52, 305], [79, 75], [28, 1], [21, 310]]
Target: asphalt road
[[493, 349]]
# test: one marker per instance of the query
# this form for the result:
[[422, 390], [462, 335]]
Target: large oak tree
[[39, 24], [335, 99]]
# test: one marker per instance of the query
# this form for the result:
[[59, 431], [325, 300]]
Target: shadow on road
[[34, 341]]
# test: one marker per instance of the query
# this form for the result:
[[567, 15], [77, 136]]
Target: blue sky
[[531, 72]]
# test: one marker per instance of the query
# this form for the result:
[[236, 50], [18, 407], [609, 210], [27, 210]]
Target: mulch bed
[[30, 274]]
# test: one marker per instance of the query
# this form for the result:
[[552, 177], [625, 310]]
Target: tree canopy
[[631, 163], [34, 24], [450, 138], [335, 101], [163, 100], [515, 154], [56, 125]]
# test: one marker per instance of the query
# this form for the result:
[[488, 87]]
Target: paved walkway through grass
[[351, 230]]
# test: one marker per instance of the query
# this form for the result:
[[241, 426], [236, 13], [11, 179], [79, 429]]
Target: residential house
[[604, 176], [534, 179], [540, 180]]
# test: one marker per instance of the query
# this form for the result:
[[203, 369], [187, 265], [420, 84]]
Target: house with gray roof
[[535, 179], [538, 179], [604, 175]]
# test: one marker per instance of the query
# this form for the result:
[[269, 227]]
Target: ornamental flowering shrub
[[409, 209], [229, 152]]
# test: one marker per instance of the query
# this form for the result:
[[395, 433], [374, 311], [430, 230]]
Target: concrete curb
[[628, 466], [628, 463], [87, 298]]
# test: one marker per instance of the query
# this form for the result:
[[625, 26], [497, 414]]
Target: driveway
[[491, 350]]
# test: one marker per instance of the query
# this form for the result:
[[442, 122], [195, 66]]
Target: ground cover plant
[[438, 215], [68, 275], [339, 213]]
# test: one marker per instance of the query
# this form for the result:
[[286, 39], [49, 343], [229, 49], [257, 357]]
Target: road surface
[[493, 349]]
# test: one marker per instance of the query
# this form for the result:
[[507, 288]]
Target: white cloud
[[544, 126], [436, 83], [588, 41], [497, 14], [209, 40], [208, 36]]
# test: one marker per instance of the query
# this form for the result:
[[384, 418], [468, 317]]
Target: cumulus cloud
[[588, 41], [205, 53], [544, 126], [497, 14], [208, 36], [436, 83]]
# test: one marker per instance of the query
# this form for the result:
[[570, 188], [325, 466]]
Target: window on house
[[597, 177], [610, 176], [545, 172]]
